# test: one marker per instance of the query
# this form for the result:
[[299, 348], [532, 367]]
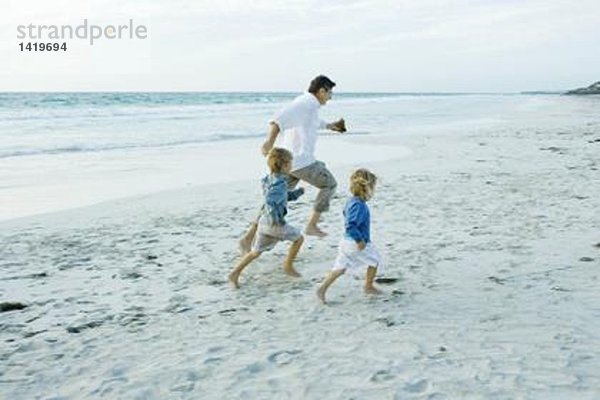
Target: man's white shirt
[[298, 123]]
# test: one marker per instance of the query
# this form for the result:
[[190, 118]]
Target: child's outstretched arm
[[295, 194]]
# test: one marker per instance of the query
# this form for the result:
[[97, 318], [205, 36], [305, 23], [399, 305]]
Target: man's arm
[[273, 133]]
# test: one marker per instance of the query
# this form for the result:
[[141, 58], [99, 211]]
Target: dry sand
[[493, 233]]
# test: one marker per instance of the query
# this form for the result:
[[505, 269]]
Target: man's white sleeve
[[289, 116]]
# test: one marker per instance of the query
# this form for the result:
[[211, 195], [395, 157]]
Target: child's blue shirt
[[275, 191], [357, 220]]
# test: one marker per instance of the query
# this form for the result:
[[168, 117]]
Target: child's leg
[[246, 241], [369, 288], [288, 265], [234, 276], [331, 277]]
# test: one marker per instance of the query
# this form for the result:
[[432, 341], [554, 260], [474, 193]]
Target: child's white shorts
[[269, 235], [356, 261]]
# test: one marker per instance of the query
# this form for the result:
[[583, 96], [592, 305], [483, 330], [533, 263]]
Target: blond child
[[272, 227], [356, 250]]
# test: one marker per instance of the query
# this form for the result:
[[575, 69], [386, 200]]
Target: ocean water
[[64, 150], [57, 123]]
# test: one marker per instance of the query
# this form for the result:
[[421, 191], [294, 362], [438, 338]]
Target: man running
[[299, 122]]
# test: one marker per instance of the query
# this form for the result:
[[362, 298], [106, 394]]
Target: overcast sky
[[364, 45]]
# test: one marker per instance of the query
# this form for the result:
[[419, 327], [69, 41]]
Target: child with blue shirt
[[356, 250], [272, 227]]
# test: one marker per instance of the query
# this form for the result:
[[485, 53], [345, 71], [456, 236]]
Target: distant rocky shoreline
[[592, 89]]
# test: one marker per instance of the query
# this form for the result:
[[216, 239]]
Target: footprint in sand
[[283, 357], [416, 386], [88, 325], [386, 321], [229, 311], [178, 304], [131, 275], [383, 375], [216, 282], [496, 280], [134, 317], [251, 369], [187, 382], [212, 360]]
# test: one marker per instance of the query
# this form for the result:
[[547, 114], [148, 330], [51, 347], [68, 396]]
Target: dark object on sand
[[386, 280], [592, 89], [340, 125], [10, 306]]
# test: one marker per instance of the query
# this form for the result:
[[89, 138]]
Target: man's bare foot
[[245, 246], [321, 294], [289, 270], [372, 290], [314, 231], [234, 279]]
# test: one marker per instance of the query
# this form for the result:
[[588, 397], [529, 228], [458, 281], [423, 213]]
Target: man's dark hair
[[319, 82]]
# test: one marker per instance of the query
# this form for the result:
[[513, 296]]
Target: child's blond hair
[[278, 158], [362, 183]]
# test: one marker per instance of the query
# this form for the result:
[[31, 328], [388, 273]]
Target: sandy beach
[[493, 232]]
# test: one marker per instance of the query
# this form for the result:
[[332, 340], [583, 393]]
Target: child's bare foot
[[321, 294], [289, 270], [234, 279], [314, 231], [372, 290], [245, 246]]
